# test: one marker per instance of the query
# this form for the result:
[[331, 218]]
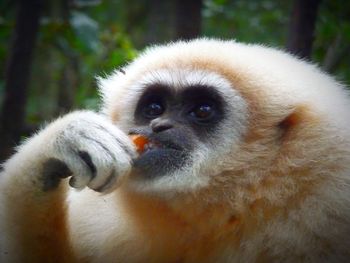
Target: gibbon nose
[[159, 124]]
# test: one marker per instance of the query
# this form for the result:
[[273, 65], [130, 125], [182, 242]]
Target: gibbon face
[[185, 114], [215, 111]]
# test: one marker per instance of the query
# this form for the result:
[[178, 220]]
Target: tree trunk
[[17, 74], [160, 21], [302, 27], [188, 19]]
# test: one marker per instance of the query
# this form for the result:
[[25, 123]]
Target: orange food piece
[[140, 141]]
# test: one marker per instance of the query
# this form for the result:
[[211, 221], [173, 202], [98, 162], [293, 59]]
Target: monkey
[[246, 159]]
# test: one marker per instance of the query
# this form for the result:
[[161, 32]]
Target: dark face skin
[[174, 122]]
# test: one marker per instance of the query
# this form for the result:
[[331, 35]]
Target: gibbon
[[244, 157]]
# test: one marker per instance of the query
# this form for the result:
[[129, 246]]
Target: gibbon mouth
[[159, 160], [151, 145], [146, 142], [161, 155], [156, 144]]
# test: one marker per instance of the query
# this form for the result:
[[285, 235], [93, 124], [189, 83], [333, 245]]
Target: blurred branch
[[159, 21], [188, 18], [302, 27], [17, 74], [68, 83], [335, 54]]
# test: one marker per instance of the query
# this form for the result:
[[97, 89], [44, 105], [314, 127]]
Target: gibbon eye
[[203, 112], [153, 110]]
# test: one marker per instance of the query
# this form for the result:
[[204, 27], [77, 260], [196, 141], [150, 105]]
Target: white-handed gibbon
[[244, 157]]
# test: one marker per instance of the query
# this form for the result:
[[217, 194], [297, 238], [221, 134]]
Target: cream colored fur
[[275, 187]]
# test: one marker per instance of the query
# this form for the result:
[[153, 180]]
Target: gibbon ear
[[292, 121]]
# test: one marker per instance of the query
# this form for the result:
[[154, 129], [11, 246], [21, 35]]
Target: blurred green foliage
[[248, 21], [93, 37]]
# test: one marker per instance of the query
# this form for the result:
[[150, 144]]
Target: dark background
[[50, 51]]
